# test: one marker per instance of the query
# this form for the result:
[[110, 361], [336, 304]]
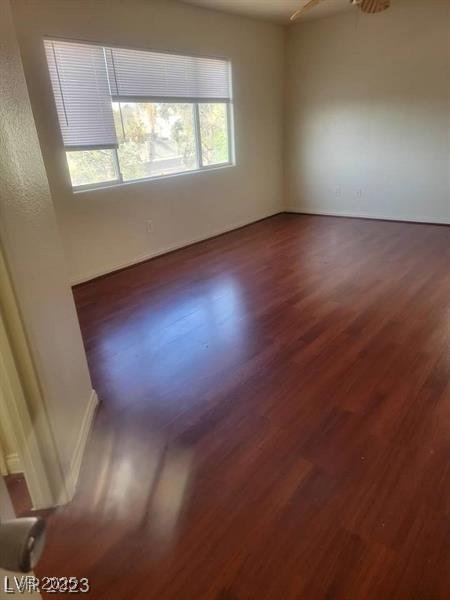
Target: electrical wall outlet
[[149, 226], [359, 193]]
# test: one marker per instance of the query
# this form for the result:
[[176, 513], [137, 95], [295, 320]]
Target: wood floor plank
[[274, 419]]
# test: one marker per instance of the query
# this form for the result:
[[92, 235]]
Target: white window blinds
[[86, 78], [152, 76], [82, 95]]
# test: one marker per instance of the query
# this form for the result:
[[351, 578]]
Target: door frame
[[3, 466], [22, 406], [16, 419]]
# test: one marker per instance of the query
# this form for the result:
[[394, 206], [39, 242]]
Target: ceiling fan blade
[[304, 8], [374, 6]]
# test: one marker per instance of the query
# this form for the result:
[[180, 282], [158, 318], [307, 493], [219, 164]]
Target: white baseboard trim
[[363, 215], [136, 260], [13, 463], [83, 436]]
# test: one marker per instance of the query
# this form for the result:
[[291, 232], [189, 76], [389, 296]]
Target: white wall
[[35, 257], [106, 229], [368, 109]]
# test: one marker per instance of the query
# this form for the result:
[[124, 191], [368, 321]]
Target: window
[[156, 139], [92, 166], [127, 115], [214, 133]]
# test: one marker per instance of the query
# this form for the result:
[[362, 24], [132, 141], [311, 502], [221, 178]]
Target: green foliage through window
[[214, 133], [156, 139], [88, 167]]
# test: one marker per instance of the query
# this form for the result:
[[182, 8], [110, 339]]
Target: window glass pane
[[92, 166], [155, 138], [214, 133]]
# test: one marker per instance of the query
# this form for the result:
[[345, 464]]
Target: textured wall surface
[[33, 250]]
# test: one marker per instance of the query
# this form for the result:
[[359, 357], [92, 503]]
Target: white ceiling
[[273, 10]]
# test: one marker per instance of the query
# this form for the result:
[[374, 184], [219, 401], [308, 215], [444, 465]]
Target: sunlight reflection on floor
[[142, 488]]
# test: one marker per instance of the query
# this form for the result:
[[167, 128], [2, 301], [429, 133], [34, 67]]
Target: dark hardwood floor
[[275, 419]]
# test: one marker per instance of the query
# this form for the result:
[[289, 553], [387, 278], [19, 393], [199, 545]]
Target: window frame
[[200, 168], [198, 141]]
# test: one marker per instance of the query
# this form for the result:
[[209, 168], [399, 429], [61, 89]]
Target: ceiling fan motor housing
[[372, 6]]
